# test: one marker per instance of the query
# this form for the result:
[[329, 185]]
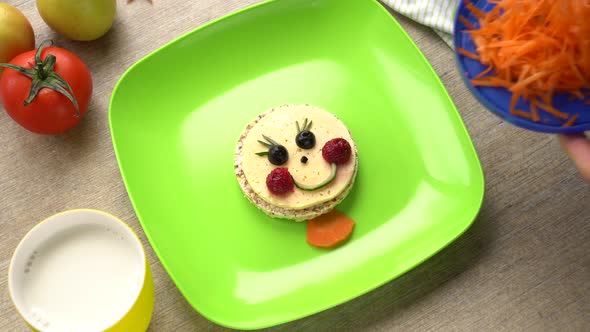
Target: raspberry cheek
[[337, 151], [279, 181]]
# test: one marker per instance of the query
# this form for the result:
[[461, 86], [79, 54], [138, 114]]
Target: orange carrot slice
[[329, 230]]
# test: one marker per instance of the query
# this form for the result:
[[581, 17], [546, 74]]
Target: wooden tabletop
[[523, 265]]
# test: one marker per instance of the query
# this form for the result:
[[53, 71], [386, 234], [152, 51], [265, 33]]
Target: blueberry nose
[[304, 159]]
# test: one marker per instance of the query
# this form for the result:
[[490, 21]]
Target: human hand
[[578, 149]]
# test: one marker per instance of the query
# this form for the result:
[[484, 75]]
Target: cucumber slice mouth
[[320, 185]]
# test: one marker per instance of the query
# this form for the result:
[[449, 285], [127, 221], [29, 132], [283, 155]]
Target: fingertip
[[577, 146]]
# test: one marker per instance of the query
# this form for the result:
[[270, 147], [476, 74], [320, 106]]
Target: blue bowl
[[497, 100]]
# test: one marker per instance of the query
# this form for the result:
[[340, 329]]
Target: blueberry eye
[[305, 139], [276, 154]]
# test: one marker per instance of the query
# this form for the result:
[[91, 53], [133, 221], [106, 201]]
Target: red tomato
[[50, 112]]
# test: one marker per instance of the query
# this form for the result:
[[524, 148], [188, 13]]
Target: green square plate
[[177, 114]]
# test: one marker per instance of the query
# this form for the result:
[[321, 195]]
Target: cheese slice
[[280, 125]]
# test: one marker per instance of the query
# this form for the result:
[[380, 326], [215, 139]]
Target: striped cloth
[[437, 14]]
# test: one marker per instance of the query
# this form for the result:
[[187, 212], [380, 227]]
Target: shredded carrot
[[491, 81], [466, 22], [535, 49], [329, 230], [571, 121], [483, 73], [474, 10], [549, 109], [535, 113], [521, 114], [466, 53], [513, 101]]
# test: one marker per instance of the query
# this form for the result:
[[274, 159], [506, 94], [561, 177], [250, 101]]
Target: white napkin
[[437, 14]]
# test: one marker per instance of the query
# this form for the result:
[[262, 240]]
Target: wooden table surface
[[524, 265]]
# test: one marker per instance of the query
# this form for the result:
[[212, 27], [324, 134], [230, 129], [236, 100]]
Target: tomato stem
[[44, 76]]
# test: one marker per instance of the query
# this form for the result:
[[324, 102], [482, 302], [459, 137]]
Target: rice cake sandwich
[[296, 162]]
